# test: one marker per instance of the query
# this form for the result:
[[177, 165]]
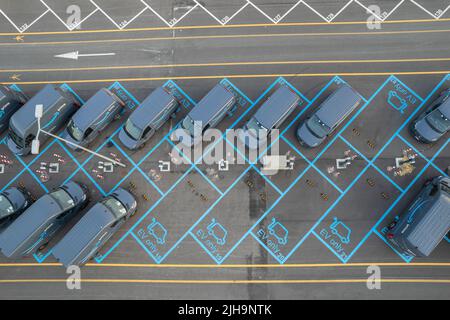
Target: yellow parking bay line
[[229, 266], [209, 282], [227, 36], [227, 64], [232, 76]]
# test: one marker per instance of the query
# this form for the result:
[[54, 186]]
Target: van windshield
[[116, 207], [63, 199], [132, 130], [74, 131], [5, 206], [254, 127], [13, 135], [438, 121], [317, 127]]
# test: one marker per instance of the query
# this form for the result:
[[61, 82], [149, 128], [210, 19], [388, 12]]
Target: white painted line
[[315, 11], [106, 15], [85, 149], [426, 10], [208, 12], [54, 13], [28, 25], [289, 11], [262, 12], [35, 143], [237, 12], [340, 11]]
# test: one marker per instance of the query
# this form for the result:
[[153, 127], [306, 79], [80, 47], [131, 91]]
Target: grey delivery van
[[93, 117], [151, 114], [59, 105], [275, 110], [434, 123], [96, 227], [426, 222], [34, 228], [10, 101], [333, 111], [209, 112], [13, 202]]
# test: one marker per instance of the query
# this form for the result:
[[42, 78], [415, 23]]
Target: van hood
[[426, 131], [307, 138], [127, 141]]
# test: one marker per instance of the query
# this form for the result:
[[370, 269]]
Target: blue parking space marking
[[198, 196], [420, 154], [417, 177], [448, 239], [288, 224], [10, 169], [364, 134], [211, 230], [129, 100], [382, 236], [336, 230], [372, 164], [226, 217], [66, 87]]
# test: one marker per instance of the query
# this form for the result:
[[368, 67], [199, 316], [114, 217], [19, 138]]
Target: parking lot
[[197, 221]]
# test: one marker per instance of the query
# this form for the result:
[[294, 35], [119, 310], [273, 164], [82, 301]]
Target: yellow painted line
[[228, 26], [227, 36], [227, 266], [200, 282], [226, 64], [233, 76]]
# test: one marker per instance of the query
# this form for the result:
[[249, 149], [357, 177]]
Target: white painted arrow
[[76, 54]]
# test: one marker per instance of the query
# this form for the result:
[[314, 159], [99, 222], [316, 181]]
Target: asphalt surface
[[408, 55]]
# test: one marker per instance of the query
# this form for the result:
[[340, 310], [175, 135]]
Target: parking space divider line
[[392, 247], [329, 247], [421, 155], [266, 247], [372, 163]]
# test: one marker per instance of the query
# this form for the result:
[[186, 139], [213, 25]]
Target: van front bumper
[[16, 149]]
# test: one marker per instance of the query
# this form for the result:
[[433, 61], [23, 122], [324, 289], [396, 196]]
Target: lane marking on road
[[169, 281], [226, 64], [235, 76], [228, 36], [227, 266], [228, 26]]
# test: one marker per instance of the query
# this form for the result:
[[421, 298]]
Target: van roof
[[280, 102], [44, 209], [82, 234], [94, 108], [151, 108], [433, 226], [338, 105], [24, 117], [211, 104], [444, 108]]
